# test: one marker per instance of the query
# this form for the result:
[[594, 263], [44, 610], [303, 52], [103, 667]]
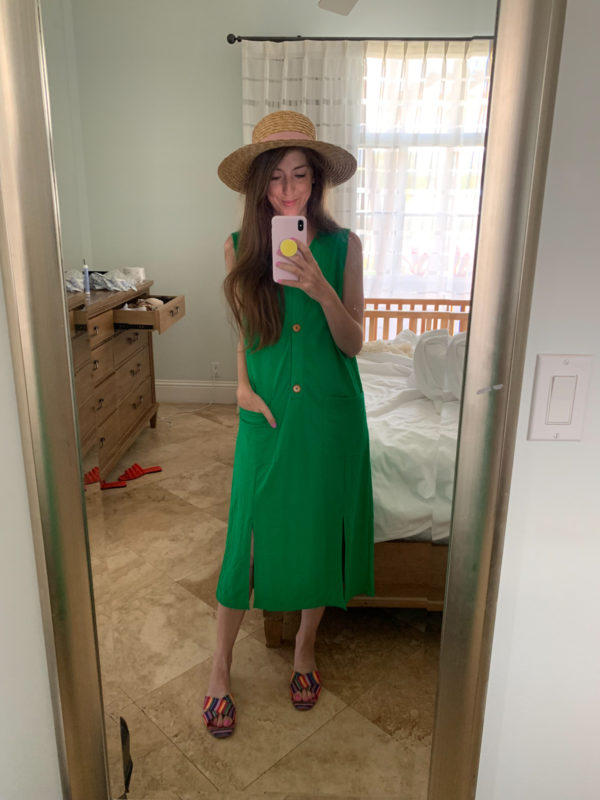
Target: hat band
[[287, 135]]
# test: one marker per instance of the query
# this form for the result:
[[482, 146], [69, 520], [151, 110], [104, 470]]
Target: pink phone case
[[285, 228]]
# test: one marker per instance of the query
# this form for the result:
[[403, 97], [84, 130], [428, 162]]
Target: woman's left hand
[[310, 278]]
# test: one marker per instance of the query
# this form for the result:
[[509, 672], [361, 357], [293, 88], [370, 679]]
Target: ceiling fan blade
[[343, 7]]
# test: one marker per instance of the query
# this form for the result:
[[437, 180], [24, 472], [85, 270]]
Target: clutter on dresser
[[114, 280]]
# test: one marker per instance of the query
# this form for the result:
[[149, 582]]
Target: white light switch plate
[[559, 397]]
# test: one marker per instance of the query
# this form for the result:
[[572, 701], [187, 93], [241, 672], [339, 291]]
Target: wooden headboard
[[385, 317]]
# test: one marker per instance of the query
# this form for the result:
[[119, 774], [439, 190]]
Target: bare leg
[[228, 625], [304, 656]]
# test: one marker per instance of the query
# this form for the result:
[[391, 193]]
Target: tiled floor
[[156, 551]]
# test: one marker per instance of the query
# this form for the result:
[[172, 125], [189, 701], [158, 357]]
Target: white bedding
[[413, 445]]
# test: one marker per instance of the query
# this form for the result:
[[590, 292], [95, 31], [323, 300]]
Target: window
[[422, 132]]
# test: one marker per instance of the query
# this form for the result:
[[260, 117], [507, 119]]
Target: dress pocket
[[344, 424], [256, 438], [253, 417]]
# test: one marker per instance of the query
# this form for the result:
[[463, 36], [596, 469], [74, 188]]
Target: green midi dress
[[302, 491]]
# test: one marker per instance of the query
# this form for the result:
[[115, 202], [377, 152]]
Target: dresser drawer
[[125, 343], [81, 349], [99, 328], [86, 412], [84, 385], [106, 398], [135, 405], [88, 442], [159, 319], [108, 438], [133, 372], [102, 362]]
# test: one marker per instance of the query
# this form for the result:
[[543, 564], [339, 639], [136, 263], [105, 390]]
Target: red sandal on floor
[[135, 471], [215, 706], [93, 476], [308, 681]]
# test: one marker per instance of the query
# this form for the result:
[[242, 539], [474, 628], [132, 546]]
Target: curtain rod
[[232, 38]]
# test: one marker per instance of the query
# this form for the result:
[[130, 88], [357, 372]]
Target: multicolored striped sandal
[[215, 706], [309, 681]]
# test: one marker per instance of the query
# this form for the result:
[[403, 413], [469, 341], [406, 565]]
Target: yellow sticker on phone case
[[288, 248]]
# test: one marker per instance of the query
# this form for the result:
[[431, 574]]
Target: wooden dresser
[[114, 368]]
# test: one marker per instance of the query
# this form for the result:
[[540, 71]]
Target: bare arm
[[245, 395], [344, 316]]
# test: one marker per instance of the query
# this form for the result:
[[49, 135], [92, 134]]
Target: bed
[[411, 369]]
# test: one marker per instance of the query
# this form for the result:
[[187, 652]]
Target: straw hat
[[285, 129]]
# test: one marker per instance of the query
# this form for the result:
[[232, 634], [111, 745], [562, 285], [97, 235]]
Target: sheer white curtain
[[323, 80], [421, 154], [414, 114]]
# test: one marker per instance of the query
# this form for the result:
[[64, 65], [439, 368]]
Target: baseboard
[[195, 391]]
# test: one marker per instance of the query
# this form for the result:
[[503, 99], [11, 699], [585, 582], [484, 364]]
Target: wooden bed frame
[[407, 574], [385, 318]]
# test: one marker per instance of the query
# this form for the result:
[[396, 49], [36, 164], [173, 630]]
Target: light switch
[[562, 397], [559, 397]]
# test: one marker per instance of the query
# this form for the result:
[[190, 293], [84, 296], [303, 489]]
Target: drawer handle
[[100, 403], [174, 311], [102, 440], [140, 400], [134, 372], [96, 330], [133, 339], [96, 364]]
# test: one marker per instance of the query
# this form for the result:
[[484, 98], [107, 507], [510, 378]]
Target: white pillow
[[407, 336], [455, 364], [429, 361]]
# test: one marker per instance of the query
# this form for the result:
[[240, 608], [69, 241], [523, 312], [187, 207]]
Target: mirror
[[118, 179]]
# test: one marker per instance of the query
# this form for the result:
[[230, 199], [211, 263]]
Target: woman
[[301, 518]]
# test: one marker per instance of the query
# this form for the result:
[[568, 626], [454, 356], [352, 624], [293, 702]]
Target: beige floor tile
[[160, 769], [113, 697], [219, 510], [207, 485], [268, 726], [194, 547], [348, 757], [173, 457], [223, 414], [118, 701], [160, 635], [177, 424], [133, 507], [194, 453], [170, 535], [402, 703], [204, 588], [404, 711], [352, 648], [126, 574]]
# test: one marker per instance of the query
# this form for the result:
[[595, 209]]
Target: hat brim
[[340, 165]]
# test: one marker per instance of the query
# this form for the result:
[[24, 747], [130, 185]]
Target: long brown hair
[[257, 302]]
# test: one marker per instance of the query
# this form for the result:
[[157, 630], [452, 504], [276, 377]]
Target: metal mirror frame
[[527, 53]]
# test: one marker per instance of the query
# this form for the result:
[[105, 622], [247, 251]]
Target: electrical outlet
[[214, 369]]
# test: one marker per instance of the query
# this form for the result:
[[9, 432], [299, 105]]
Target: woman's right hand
[[250, 401]]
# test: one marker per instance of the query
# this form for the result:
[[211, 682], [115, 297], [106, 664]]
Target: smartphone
[[282, 229]]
